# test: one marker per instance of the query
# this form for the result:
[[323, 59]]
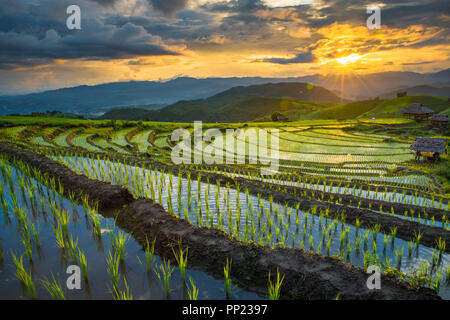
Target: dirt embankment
[[308, 275]]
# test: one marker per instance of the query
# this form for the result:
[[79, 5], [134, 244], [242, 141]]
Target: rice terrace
[[142, 164], [107, 196]]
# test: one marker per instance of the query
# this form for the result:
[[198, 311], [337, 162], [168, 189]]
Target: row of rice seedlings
[[160, 180], [188, 194], [291, 178], [60, 227], [322, 186]]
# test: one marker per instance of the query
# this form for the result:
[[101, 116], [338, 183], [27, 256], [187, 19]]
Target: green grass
[[387, 108]]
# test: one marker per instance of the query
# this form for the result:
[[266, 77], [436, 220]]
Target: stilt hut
[[439, 120], [428, 147], [418, 112]]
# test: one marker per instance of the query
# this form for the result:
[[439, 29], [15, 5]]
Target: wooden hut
[[439, 120], [418, 112], [428, 147]]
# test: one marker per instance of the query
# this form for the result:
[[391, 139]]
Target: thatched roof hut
[[428, 147], [417, 110], [439, 118]]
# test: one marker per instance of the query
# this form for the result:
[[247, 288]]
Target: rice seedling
[[399, 255], [192, 292], [393, 234], [417, 237], [441, 246], [274, 288], [227, 281], [149, 254], [164, 275], [119, 243], [83, 262], [385, 241], [411, 246], [27, 245], [113, 262], [181, 258], [24, 276], [54, 288], [72, 249], [60, 238], [119, 294]]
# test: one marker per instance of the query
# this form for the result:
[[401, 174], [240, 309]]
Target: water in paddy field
[[250, 218], [395, 197], [48, 258]]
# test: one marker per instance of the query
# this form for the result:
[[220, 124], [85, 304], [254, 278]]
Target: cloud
[[304, 57], [168, 7], [416, 63], [106, 2], [107, 42]]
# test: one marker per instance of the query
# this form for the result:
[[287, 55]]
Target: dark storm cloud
[[395, 13], [304, 57], [245, 6], [168, 7], [33, 34], [111, 42], [107, 3]]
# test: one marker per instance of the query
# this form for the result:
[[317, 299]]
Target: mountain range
[[97, 99]]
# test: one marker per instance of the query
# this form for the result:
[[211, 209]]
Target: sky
[[123, 40]]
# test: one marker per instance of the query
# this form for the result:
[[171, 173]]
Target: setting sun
[[349, 59]]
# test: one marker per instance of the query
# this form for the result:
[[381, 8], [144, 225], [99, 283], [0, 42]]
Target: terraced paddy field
[[111, 200]]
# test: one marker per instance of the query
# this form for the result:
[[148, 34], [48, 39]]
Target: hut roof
[[439, 117], [417, 108], [429, 145]]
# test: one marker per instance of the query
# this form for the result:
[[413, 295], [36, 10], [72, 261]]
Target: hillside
[[238, 104], [420, 90], [379, 108], [92, 99], [243, 110]]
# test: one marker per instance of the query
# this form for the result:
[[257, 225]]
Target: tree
[[275, 115]]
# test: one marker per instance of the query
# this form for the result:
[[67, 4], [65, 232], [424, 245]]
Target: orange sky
[[264, 38]]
